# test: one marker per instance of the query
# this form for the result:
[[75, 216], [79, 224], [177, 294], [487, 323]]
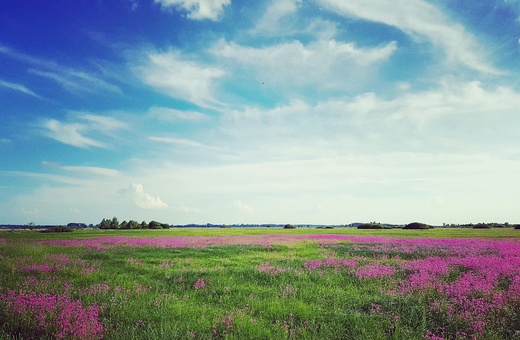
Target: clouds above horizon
[[141, 199], [197, 9], [420, 20], [287, 111]]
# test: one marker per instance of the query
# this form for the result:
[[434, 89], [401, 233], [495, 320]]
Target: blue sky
[[284, 111]]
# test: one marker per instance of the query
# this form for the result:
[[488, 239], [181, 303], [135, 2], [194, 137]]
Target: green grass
[[153, 299], [436, 232]]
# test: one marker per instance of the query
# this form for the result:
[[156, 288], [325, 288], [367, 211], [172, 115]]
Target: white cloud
[[91, 170], [142, 199], [243, 207], [82, 170], [323, 64], [75, 132], [456, 117], [187, 210], [103, 123], [182, 79], [275, 12], [76, 81], [19, 88], [180, 142], [173, 115], [198, 9], [70, 133], [420, 20]]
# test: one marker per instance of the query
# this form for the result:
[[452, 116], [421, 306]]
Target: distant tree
[[481, 226], [144, 225], [371, 225], [105, 224], [133, 225], [289, 226], [154, 225], [124, 225], [417, 225], [114, 223], [58, 229]]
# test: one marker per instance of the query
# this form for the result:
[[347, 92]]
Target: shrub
[[370, 226], [481, 226], [417, 225], [58, 229], [289, 226]]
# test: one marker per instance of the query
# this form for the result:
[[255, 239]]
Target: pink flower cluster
[[56, 263], [53, 315], [199, 284], [265, 267], [470, 284], [374, 270]]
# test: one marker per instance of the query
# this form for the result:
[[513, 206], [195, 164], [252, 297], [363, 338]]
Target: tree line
[[131, 224]]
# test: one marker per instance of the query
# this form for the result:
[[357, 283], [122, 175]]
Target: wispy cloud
[[181, 78], [420, 20], [75, 81], [70, 133], [76, 132], [72, 80], [197, 9], [174, 115], [19, 88], [103, 123], [83, 170], [180, 142]]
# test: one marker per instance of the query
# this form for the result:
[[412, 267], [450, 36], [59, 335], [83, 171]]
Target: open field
[[261, 284]]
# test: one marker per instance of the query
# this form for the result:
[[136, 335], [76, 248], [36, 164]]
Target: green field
[[265, 283]]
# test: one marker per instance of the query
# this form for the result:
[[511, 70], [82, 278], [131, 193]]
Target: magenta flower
[[374, 270], [199, 284], [55, 315]]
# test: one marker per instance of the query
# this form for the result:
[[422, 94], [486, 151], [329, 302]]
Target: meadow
[[264, 283]]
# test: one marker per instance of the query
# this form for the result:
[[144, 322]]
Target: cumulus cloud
[[183, 79], [197, 9], [142, 199], [420, 20], [187, 210], [243, 207], [456, 117]]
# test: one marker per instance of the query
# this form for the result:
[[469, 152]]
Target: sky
[[283, 111]]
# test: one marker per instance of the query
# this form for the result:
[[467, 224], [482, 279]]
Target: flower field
[[279, 285]]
